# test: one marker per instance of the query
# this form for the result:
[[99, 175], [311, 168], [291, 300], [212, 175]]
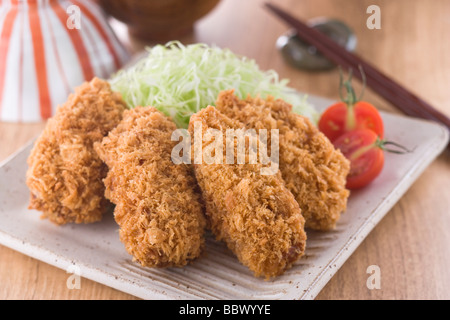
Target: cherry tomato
[[342, 117], [364, 149], [351, 113]]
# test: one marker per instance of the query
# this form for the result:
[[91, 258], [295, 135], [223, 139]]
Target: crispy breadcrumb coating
[[65, 174], [256, 216], [313, 170], [159, 213]]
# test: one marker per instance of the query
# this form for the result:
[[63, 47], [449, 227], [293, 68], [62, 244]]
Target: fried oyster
[[65, 173]]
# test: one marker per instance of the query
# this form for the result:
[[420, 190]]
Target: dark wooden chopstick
[[404, 100]]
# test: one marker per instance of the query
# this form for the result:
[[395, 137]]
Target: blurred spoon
[[304, 56]]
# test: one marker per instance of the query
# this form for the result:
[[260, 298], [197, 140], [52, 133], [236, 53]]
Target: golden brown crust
[[159, 213], [255, 214], [65, 174], [313, 170]]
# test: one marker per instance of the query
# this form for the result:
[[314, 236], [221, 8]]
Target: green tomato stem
[[383, 143]]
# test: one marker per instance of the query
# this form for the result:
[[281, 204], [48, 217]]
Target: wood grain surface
[[411, 244]]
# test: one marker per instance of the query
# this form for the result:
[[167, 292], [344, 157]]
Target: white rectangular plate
[[101, 257]]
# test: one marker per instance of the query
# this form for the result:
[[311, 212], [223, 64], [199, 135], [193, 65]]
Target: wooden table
[[411, 244]]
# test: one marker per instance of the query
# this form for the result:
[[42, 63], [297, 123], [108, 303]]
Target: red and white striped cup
[[48, 47]]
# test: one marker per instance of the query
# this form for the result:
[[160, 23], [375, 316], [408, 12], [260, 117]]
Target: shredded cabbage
[[181, 80]]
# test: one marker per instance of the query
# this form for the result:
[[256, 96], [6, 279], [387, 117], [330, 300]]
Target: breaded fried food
[[65, 173], [313, 170], [158, 210], [254, 214]]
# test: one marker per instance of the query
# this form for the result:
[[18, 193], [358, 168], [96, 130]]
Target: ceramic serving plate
[[99, 255]]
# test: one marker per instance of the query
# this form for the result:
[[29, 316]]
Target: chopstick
[[393, 92]]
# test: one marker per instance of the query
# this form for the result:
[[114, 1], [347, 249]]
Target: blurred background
[[409, 46]]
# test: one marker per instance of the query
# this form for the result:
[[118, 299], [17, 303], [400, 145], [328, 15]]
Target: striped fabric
[[42, 59]]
